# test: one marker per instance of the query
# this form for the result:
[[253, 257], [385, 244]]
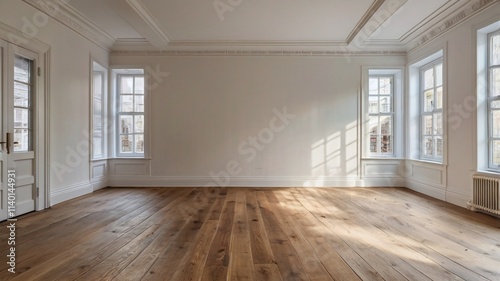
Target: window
[[98, 111], [381, 114], [493, 97], [431, 111], [23, 111], [130, 115]]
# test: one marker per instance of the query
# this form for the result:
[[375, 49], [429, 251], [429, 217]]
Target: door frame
[[41, 135]]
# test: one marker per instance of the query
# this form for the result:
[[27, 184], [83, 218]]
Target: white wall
[[69, 95], [453, 182], [209, 105]]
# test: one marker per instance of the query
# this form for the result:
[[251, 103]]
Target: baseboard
[[138, 181], [70, 192], [99, 183], [458, 198], [435, 191]]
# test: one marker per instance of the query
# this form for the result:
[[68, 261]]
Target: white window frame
[[99, 69], [380, 115], [423, 113], [490, 99], [117, 74], [397, 142]]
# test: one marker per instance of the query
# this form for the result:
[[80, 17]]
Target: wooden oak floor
[[254, 234]]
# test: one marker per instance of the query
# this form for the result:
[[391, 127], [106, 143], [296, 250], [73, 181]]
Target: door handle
[[8, 142]]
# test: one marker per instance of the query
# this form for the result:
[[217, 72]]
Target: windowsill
[[488, 172], [426, 161], [121, 158], [382, 158]]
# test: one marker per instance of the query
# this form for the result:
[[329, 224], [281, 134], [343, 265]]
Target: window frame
[[379, 115], [422, 113], [97, 68], [118, 113], [490, 100]]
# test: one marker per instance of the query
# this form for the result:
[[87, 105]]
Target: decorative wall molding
[[60, 11], [472, 9], [149, 19], [364, 20], [259, 53]]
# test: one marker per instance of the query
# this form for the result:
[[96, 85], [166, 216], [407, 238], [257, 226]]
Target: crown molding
[[259, 53], [140, 9], [221, 43], [364, 20], [457, 18], [60, 11]]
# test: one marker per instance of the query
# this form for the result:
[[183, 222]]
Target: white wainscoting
[[70, 192], [99, 174], [427, 178]]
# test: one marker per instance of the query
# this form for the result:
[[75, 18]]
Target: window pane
[[21, 94], [126, 124], [496, 152], [495, 123], [429, 101], [439, 75], [21, 118], [97, 107], [373, 125], [386, 125], [21, 136], [385, 105], [139, 124], [139, 103], [439, 147], [439, 98], [139, 85], [386, 144], [495, 50], [127, 85], [22, 71], [495, 82], [139, 143], [495, 104], [97, 144], [428, 146], [429, 78], [373, 87], [427, 123], [373, 102], [373, 143], [385, 86], [126, 143], [97, 85], [438, 124], [126, 103]]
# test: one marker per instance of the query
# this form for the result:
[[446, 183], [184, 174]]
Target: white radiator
[[486, 194]]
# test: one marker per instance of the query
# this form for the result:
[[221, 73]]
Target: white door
[[17, 154]]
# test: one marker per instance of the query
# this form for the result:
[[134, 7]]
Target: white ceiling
[[264, 24]]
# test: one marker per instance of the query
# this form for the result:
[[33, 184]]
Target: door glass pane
[[127, 85], [21, 118], [126, 103], [139, 143], [495, 82], [429, 78], [427, 123], [126, 143], [139, 124], [126, 124], [495, 50], [373, 101], [22, 137], [429, 101], [22, 69], [21, 94]]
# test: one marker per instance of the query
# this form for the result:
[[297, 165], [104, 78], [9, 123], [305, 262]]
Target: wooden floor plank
[[255, 234]]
